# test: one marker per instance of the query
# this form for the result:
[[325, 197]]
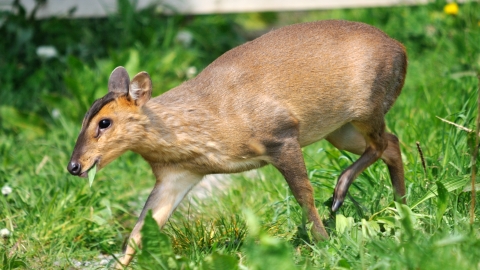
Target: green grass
[[252, 221]]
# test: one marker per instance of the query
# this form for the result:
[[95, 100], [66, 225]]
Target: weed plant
[[52, 220]]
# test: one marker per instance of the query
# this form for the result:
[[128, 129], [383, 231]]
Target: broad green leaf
[[442, 201], [91, 174], [264, 251], [407, 219], [157, 248], [343, 223], [450, 185], [388, 221], [370, 228]]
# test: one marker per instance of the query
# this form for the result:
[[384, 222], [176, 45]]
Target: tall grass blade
[[474, 156]]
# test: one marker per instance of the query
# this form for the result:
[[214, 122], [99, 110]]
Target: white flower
[[191, 72], [46, 52], [4, 233], [184, 37], [55, 113], [6, 190]]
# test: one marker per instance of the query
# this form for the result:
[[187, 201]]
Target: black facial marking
[[98, 105]]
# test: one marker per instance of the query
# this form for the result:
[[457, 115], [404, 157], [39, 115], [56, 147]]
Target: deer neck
[[174, 133]]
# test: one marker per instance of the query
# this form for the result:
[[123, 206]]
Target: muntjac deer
[[255, 105]]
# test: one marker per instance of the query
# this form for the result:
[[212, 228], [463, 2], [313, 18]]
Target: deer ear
[[141, 88], [119, 81]]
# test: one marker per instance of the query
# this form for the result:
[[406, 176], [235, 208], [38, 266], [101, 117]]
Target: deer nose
[[74, 168]]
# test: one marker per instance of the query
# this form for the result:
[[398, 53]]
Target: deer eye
[[104, 123]]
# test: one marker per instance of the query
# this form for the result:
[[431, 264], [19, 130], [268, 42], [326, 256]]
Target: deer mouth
[[85, 173]]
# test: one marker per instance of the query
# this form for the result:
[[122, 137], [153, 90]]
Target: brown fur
[[257, 104]]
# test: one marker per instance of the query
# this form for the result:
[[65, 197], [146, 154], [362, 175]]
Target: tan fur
[[257, 104]]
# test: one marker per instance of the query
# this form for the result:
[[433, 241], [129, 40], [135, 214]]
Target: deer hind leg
[[393, 158], [372, 143], [288, 159], [171, 187]]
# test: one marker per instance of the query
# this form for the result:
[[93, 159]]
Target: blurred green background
[[51, 71]]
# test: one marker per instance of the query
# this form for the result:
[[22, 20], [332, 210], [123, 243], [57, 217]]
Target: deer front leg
[[288, 159], [171, 187]]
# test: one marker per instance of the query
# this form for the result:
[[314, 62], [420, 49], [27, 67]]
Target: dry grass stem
[[421, 157], [457, 125]]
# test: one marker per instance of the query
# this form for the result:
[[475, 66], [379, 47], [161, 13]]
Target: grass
[[57, 222]]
